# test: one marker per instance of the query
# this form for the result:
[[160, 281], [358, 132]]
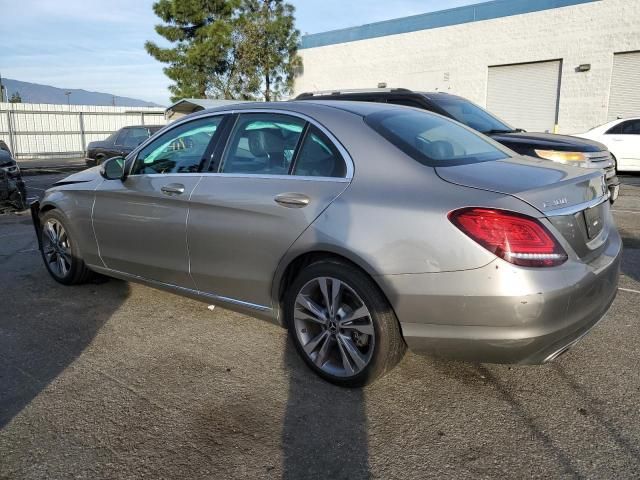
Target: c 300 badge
[[556, 202]]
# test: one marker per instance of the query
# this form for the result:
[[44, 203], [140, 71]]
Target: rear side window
[[262, 143], [630, 127], [405, 102], [433, 140], [318, 157]]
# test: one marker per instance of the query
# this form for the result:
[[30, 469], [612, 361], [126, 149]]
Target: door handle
[[173, 189], [292, 200]]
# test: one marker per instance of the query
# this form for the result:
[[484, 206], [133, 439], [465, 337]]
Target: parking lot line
[[628, 290], [625, 211]]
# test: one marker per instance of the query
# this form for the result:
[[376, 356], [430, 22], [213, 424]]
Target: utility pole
[[3, 91]]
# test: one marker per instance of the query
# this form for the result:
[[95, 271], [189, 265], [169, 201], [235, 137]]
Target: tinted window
[[179, 150], [262, 143], [406, 102], [135, 136], [630, 127], [121, 135], [433, 140], [318, 157], [470, 114]]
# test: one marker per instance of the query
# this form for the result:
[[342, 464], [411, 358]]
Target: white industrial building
[[541, 65]]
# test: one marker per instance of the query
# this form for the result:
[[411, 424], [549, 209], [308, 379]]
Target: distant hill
[[36, 93]]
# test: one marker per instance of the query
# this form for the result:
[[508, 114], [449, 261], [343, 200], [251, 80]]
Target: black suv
[[118, 144], [549, 146]]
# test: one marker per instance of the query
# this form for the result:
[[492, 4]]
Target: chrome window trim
[[213, 296], [343, 151], [578, 208], [248, 175]]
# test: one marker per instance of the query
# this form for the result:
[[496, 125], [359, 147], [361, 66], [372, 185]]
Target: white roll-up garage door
[[624, 99], [525, 95]]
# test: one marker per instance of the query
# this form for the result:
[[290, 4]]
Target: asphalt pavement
[[117, 380]]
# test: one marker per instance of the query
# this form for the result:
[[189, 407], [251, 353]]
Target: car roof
[[306, 106], [393, 92]]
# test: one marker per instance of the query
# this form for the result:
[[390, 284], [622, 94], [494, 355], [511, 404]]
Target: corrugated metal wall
[[525, 95], [624, 100], [38, 130]]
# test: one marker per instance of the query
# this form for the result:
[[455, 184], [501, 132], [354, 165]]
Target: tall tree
[[202, 34], [271, 48]]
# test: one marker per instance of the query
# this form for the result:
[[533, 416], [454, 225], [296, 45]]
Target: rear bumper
[[504, 314]]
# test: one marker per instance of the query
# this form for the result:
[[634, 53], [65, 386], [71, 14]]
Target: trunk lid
[[544, 185], [573, 199]]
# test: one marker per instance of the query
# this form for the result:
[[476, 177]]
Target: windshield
[[470, 114], [431, 139]]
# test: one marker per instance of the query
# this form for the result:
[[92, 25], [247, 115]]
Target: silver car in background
[[363, 228]]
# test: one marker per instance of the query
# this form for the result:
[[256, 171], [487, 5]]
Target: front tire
[[342, 325], [59, 251]]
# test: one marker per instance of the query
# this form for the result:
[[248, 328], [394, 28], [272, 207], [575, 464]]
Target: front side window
[[135, 136], [121, 136], [180, 150], [318, 157], [262, 143], [433, 140], [470, 114]]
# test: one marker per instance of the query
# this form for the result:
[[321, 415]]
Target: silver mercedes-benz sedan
[[363, 228]]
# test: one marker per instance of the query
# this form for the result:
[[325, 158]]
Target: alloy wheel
[[334, 327], [56, 248]]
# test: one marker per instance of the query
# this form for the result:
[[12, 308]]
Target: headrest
[[264, 142], [436, 150]]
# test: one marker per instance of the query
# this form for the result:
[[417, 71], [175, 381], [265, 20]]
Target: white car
[[622, 138]]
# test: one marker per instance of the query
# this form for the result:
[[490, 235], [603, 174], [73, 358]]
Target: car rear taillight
[[514, 237]]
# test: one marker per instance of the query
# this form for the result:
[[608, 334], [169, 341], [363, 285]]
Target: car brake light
[[514, 237]]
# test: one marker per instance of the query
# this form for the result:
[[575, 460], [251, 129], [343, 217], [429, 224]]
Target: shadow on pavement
[[325, 427], [44, 326]]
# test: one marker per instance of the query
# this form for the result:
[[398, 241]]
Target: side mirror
[[113, 169]]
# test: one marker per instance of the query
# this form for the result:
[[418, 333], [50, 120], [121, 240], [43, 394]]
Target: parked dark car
[[13, 194], [549, 146], [119, 143]]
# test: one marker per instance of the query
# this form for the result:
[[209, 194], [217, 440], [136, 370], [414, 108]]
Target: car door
[[140, 223], [624, 142], [276, 174]]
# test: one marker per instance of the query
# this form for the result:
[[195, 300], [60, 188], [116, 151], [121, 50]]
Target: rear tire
[[342, 325], [59, 251]]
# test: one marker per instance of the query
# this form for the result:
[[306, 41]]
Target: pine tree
[[15, 98], [201, 31], [271, 48], [233, 49]]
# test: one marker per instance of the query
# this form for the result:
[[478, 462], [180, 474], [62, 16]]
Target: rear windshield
[[470, 114], [432, 140]]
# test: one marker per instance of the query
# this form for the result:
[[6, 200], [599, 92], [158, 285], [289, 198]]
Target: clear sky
[[98, 45]]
